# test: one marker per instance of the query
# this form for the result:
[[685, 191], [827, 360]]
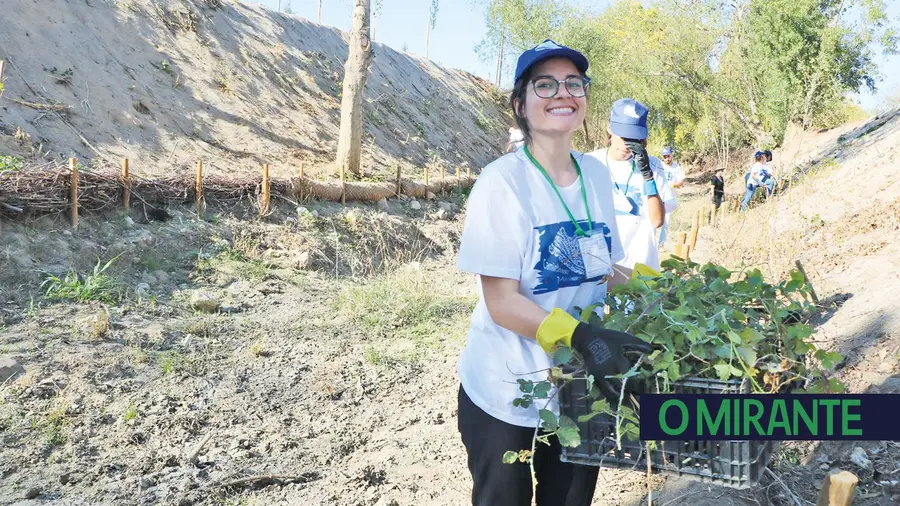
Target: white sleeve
[[495, 234], [679, 173], [662, 185]]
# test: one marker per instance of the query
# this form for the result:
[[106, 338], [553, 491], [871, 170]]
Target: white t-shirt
[[754, 171], [517, 228], [639, 236], [516, 137], [674, 173]]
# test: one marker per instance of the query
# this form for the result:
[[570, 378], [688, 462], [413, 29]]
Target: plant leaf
[[549, 422], [510, 457]]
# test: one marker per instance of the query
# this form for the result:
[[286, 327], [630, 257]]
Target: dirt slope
[[165, 82], [842, 220]]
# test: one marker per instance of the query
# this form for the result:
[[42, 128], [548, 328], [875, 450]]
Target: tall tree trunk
[[355, 72], [500, 55], [427, 36], [320, 13]]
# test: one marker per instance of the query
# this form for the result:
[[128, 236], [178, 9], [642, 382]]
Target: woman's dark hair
[[519, 91]]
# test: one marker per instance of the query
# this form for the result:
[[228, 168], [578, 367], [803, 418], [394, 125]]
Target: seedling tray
[[736, 464]]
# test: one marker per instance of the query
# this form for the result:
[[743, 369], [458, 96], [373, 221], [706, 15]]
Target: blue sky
[[461, 25]]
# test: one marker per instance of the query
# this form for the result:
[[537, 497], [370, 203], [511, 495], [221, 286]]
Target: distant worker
[[541, 235], [718, 184], [516, 140], [675, 177], [642, 194], [752, 178], [767, 173], [674, 173]]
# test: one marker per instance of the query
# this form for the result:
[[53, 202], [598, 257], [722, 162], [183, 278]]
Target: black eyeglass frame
[[585, 81]]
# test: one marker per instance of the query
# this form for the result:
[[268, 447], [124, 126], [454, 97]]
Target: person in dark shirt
[[718, 183]]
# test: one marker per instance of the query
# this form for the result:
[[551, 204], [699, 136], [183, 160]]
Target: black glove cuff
[[580, 336]]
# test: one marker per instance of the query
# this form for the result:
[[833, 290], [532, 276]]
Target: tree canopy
[[713, 73]]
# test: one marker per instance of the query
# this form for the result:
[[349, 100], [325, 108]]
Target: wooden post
[[264, 207], [838, 489], [712, 215], [398, 180], [812, 293], [736, 206], [687, 251], [301, 170], [458, 180], [468, 172], [425, 172], [126, 183], [2, 69], [343, 186], [73, 165], [199, 187], [695, 229], [679, 246]]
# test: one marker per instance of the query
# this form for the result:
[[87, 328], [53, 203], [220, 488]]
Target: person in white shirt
[[642, 194], [541, 236], [753, 178], [516, 140], [675, 178]]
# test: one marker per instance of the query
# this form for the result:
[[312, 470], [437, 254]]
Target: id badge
[[595, 255]]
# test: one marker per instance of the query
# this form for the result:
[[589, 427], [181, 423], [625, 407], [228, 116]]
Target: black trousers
[[497, 484]]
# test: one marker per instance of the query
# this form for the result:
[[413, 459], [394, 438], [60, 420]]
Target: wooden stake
[[425, 171], [126, 183], [812, 293], [695, 229], [398, 180], [301, 170], [264, 208], [687, 251], [468, 172], [2, 69], [458, 180], [73, 165], [199, 187], [679, 246], [712, 215], [343, 186], [838, 489], [737, 205]]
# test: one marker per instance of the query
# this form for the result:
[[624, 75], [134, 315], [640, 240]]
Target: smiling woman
[[541, 235]]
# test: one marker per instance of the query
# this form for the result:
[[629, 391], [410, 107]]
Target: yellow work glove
[[644, 270], [556, 329]]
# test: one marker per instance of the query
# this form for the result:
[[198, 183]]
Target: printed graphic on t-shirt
[[560, 264]]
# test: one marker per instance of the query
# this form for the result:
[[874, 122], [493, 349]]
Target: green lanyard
[[578, 230], [614, 178]]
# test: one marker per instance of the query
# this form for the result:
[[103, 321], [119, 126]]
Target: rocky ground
[[309, 358]]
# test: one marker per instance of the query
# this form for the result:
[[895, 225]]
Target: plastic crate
[[736, 464]]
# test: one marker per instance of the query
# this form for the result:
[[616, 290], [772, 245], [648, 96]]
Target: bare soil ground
[[167, 82]]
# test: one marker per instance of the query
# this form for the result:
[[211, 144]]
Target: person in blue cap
[[541, 236], [753, 178], [675, 178], [641, 193]]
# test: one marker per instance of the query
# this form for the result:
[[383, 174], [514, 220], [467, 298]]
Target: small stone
[[429, 196], [415, 205], [162, 277], [302, 210], [859, 458], [142, 289], [32, 493], [315, 213], [129, 221], [146, 482], [202, 301], [824, 467], [67, 232], [382, 204], [445, 206], [10, 369], [65, 478]]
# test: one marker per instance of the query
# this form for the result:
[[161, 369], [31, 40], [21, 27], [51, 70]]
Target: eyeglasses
[[548, 87]]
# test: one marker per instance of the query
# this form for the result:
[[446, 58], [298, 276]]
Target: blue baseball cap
[[545, 50], [666, 151], [628, 119]]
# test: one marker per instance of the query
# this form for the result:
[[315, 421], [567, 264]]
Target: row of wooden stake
[[704, 216], [265, 197]]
